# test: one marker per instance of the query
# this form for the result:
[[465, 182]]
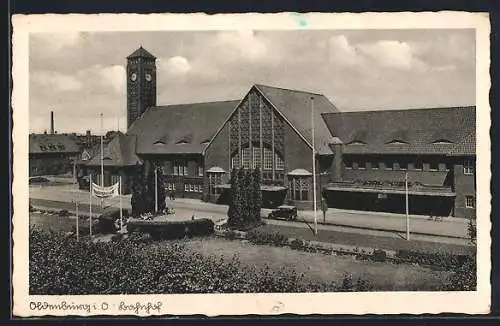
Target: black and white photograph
[[323, 160]]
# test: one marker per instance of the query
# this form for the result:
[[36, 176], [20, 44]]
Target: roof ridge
[[289, 89], [192, 103], [402, 110]]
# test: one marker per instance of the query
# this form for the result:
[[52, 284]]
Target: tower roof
[[141, 53]]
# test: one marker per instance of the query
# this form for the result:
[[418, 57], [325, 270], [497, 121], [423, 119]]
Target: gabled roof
[[385, 132], [295, 106], [466, 147], [52, 143], [142, 53], [119, 152], [179, 128]]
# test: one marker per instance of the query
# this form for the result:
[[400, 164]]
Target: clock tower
[[141, 83]]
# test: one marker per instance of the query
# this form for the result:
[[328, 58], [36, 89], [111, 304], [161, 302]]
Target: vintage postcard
[[251, 164]]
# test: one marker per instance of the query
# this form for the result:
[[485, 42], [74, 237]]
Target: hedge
[[172, 229], [59, 265]]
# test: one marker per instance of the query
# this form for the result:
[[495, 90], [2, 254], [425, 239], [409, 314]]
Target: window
[[469, 201], [468, 167], [268, 159], [299, 188], [191, 187], [280, 164], [173, 186], [115, 179], [186, 187], [361, 165], [433, 166], [235, 161], [403, 165], [374, 165], [348, 164], [246, 158], [180, 168], [200, 170], [256, 157], [418, 164], [388, 165]]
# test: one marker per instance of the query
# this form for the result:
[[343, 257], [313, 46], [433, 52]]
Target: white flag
[[105, 192]]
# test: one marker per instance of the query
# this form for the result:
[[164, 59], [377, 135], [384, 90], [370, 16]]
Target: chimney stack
[[52, 122]]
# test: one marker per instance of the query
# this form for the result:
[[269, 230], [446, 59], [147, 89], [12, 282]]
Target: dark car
[[38, 180], [284, 212], [109, 220]]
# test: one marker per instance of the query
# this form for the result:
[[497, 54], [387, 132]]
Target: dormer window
[[442, 141], [159, 142], [397, 142], [356, 142], [182, 142]]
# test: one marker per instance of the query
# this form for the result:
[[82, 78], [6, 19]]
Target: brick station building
[[361, 157]]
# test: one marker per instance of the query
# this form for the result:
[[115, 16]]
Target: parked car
[[38, 180], [109, 220], [284, 212]]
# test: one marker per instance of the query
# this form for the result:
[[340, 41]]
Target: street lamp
[[407, 214]]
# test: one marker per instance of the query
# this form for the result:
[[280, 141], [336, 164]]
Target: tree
[[246, 199], [137, 199], [257, 195]]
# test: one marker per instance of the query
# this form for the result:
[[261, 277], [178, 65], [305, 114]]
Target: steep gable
[[296, 107]]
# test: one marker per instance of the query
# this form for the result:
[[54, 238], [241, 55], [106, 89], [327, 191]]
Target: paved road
[[374, 221], [219, 212]]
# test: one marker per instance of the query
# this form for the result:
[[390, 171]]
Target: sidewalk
[[449, 227]]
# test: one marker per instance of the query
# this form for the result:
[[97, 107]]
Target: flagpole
[[102, 158], [76, 200], [90, 209], [121, 209], [156, 189], [407, 214], [314, 166]]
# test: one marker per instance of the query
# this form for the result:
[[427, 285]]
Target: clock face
[[133, 77], [148, 77]]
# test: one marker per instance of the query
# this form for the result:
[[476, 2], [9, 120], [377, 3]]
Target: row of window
[[181, 168], [263, 159], [187, 187], [403, 165]]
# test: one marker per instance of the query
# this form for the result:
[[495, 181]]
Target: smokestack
[[52, 122]]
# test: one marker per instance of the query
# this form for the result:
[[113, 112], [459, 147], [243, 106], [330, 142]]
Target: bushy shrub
[[173, 229], [59, 265], [258, 237], [464, 277], [347, 282], [364, 284], [379, 255], [446, 260], [64, 213], [472, 230]]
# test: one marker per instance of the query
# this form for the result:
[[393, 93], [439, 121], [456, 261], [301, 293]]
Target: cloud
[[56, 82], [243, 43], [178, 66], [342, 53], [113, 76], [55, 42], [394, 54]]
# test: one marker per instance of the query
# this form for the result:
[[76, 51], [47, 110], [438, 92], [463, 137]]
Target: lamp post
[[407, 214], [314, 167]]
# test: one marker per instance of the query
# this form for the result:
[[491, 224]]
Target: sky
[[81, 75]]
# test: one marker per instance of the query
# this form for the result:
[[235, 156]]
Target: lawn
[[321, 267], [362, 240]]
